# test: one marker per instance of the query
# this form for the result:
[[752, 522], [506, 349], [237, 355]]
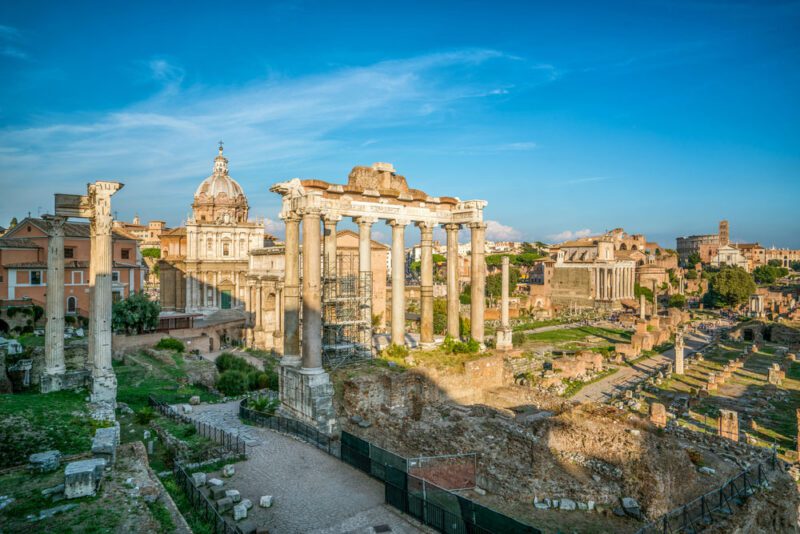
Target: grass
[[580, 334], [537, 324], [36, 422], [192, 515], [574, 386], [31, 340], [436, 358], [162, 515]]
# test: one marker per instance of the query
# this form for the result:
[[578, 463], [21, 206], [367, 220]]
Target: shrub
[[230, 362], [397, 351], [145, 415], [517, 339], [151, 252], [450, 346], [38, 312], [11, 311], [257, 380], [264, 405], [70, 319], [170, 343], [232, 383]]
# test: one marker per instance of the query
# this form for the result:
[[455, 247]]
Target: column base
[[104, 388], [503, 339], [308, 397], [50, 381]]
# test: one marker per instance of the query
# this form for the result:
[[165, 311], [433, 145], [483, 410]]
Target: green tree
[[494, 283], [676, 301], [795, 265], [12, 223], [767, 274], [639, 290], [774, 263], [151, 252], [693, 259], [732, 286], [135, 314], [691, 274], [439, 316]]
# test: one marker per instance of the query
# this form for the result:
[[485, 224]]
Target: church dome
[[219, 198]]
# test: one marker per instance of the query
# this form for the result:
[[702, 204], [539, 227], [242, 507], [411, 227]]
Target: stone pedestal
[[658, 414], [729, 424], [308, 397]]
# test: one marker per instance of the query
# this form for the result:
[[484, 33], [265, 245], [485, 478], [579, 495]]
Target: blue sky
[[568, 117]]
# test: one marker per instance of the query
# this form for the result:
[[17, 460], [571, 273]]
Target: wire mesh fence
[[718, 503], [228, 440]]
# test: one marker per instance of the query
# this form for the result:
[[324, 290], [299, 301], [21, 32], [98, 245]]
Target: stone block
[[228, 470], [199, 479], [265, 501], [658, 414], [186, 408], [233, 494], [224, 504], [239, 512], [194, 400], [104, 444], [216, 492], [567, 505], [215, 482], [44, 462], [247, 503], [81, 478]]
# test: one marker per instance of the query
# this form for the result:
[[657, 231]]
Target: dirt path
[[627, 376]]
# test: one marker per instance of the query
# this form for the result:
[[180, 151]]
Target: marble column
[[104, 382], [329, 242], [477, 280], [679, 348], [54, 328], [453, 303], [365, 262], [398, 282], [312, 295], [642, 306], [426, 284], [504, 341], [259, 311], [291, 298]]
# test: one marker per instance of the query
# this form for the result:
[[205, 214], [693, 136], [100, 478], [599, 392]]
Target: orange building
[[23, 265]]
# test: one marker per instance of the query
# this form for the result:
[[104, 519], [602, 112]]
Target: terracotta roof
[[17, 242], [181, 230], [374, 243], [71, 229]]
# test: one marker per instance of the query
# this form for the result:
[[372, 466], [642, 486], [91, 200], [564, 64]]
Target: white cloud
[[566, 235], [500, 232], [10, 37], [273, 227]]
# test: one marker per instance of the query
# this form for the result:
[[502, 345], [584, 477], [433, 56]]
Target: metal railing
[[228, 440], [307, 433], [201, 504], [710, 507]]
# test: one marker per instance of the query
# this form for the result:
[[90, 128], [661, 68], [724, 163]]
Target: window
[[77, 277], [72, 305], [69, 252], [36, 278], [115, 276], [226, 249], [126, 253]]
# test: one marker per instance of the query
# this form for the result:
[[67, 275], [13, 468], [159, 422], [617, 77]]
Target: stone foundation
[[308, 397]]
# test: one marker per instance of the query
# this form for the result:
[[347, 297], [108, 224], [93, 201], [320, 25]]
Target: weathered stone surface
[[224, 504], [104, 444], [567, 505], [217, 492], [239, 512], [215, 482], [265, 501], [247, 503], [631, 507], [43, 462], [199, 479], [233, 495], [194, 400], [81, 478], [228, 471]]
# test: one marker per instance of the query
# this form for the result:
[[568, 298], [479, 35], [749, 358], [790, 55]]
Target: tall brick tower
[[724, 233]]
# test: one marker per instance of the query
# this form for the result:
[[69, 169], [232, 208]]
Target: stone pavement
[[627, 376], [313, 491]]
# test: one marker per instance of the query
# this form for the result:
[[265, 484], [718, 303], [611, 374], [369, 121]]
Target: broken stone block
[[224, 504], [541, 505], [228, 470], [479, 490], [186, 408], [631, 507], [104, 444], [707, 470], [146, 435], [44, 462], [567, 505], [81, 478], [215, 482], [239, 512], [55, 490], [590, 505], [233, 494], [194, 400], [265, 501], [247, 503], [199, 479]]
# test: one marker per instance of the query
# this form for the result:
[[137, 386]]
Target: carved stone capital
[[55, 225], [365, 221], [451, 227], [398, 222], [477, 226]]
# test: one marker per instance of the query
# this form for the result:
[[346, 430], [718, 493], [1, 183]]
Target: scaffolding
[[346, 312]]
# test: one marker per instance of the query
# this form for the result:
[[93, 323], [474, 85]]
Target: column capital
[[425, 227], [331, 219], [452, 227], [398, 222], [365, 221], [310, 211], [290, 216], [55, 225], [477, 226]]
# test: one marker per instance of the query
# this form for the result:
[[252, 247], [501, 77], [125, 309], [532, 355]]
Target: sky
[[569, 118]]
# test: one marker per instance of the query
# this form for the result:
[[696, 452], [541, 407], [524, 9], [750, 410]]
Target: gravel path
[[313, 491]]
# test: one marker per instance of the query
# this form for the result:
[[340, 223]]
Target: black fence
[[201, 504], [307, 433], [438, 508], [229, 441], [714, 505]]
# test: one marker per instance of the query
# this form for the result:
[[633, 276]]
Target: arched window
[[72, 305]]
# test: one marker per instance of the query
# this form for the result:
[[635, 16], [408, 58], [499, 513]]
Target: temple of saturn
[[95, 206], [371, 194]]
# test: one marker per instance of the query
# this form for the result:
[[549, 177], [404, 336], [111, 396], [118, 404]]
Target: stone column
[[426, 285], [54, 328], [104, 382], [642, 306], [329, 240], [398, 282], [453, 304], [259, 311], [504, 341], [729, 424], [365, 262], [477, 280], [291, 298], [679, 348], [312, 298], [655, 299]]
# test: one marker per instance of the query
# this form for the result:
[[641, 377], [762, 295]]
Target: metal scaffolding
[[346, 312]]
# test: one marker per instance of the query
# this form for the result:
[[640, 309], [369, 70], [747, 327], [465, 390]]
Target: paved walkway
[[627, 376], [313, 491]]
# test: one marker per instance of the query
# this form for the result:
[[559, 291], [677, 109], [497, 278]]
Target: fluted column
[[312, 298], [365, 262], [477, 280], [504, 338], [398, 282], [291, 297], [426, 284], [329, 241], [104, 383], [453, 307], [54, 328]]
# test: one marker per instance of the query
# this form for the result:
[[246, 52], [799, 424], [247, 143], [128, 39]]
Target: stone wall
[[204, 339]]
